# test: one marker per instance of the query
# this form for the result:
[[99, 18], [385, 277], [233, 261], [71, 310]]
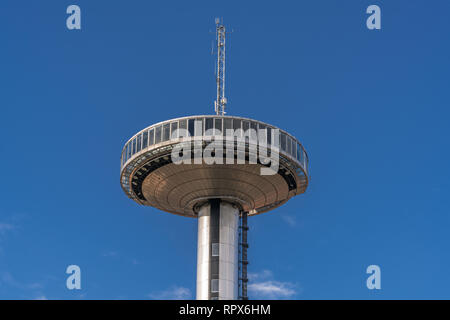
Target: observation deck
[[150, 176]]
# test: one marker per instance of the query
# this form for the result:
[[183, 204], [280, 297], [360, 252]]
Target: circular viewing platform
[[256, 166]]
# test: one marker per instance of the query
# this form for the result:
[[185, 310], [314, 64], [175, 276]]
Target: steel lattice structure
[[221, 101]]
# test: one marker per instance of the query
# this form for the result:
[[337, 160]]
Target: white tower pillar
[[217, 251]]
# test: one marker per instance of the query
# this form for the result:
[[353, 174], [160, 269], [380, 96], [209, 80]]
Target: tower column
[[217, 251]]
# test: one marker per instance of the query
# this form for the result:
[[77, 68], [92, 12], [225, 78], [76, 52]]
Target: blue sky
[[370, 107]]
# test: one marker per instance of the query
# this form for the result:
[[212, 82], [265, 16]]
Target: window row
[[201, 126]]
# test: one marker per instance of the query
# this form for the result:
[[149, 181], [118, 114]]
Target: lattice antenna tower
[[221, 101]]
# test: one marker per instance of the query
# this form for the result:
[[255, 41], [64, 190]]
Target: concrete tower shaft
[[217, 251]]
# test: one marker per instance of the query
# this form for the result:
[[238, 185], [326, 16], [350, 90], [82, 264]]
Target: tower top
[[221, 101]]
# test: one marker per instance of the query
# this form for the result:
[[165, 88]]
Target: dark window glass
[[293, 148], [237, 124], [262, 131], [218, 124], [215, 249], [166, 132], [158, 134], [183, 125], [134, 146], [283, 141], [254, 131], [145, 139], [215, 285], [209, 123], [298, 152], [151, 137], [269, 135], [199, 127], [245, 126], [191, 127], [303, 159], [226, 125], [139, 143], [288, 145], [174, 129], [129, 150]]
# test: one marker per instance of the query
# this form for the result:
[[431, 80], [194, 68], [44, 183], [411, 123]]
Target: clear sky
[[370, 106]]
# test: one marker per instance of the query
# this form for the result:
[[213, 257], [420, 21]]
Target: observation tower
[[219, 169]]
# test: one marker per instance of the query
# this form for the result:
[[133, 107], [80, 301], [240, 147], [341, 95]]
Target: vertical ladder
[[243, 262]]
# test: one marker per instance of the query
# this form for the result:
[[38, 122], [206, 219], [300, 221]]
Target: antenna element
[[221, 101]]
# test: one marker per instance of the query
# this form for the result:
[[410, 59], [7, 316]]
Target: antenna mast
[[221, 101]]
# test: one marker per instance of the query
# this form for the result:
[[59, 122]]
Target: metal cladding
[[150, 177], [217, 252]]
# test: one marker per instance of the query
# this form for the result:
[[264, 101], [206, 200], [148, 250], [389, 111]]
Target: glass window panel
[[158, 134], [151, 137], [215, 285], [298, 152], [129, 150], [182, 124], [253, 131], [209, 124], [139, 143], [191, 127], [215, 249], [262, 128], [269, 135], [237, 124], [166, 131], [145, 139], [218, 124], [293, 148], [283, 141], [199, 127], [245, 125], [288, 145], [245, 128], [134, 146], [226, 125], [305, 160], [174, 128]]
